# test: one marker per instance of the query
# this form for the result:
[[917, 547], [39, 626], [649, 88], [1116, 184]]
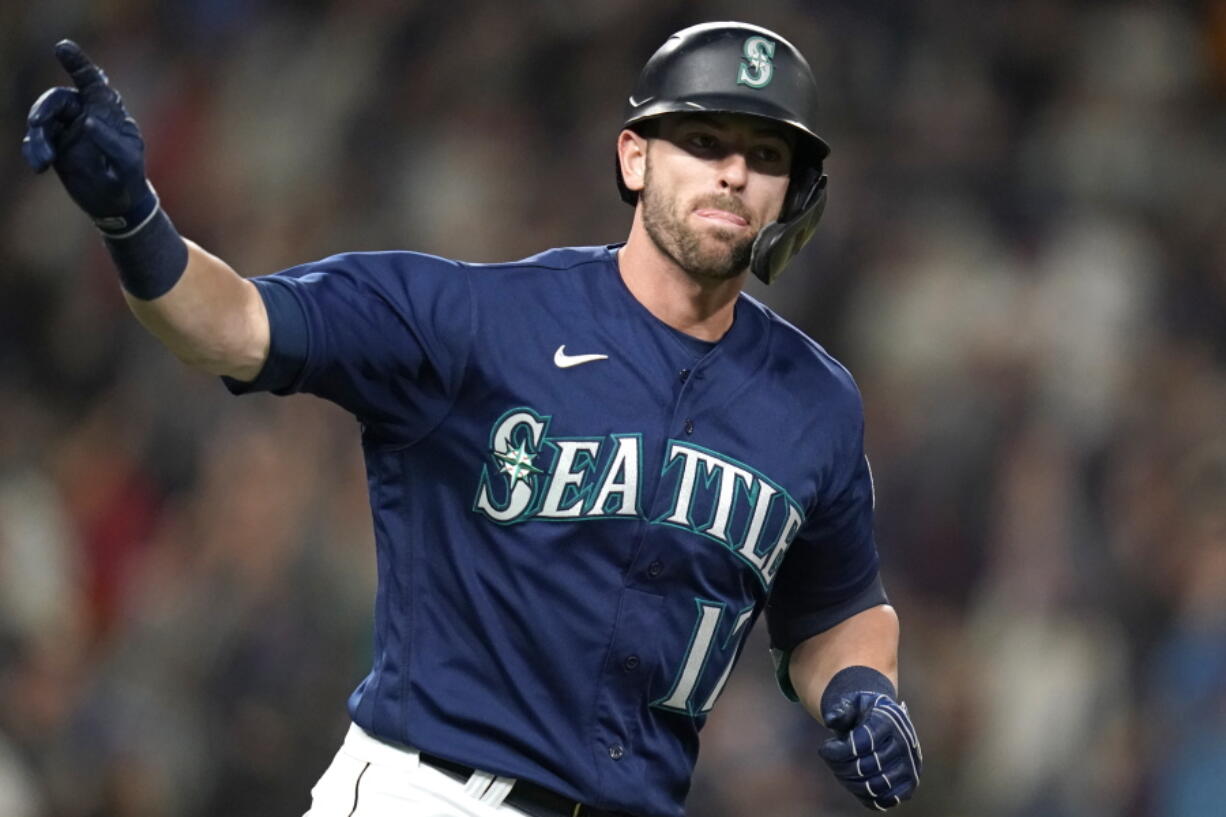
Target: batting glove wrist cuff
[[151, 258], [844, 686]]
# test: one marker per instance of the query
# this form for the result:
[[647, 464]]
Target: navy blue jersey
[[579, 512]]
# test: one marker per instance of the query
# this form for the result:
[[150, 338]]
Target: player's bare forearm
[[869, 638], [212, 319]]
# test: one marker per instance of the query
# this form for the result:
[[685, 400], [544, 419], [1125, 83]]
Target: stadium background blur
[[1023, 262]]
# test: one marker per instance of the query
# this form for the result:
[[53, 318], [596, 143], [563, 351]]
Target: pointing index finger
[[85, 75]]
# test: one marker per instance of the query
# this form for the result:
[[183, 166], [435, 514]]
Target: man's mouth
[[723, 216]]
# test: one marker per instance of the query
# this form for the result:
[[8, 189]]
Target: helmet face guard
[[742, 69]]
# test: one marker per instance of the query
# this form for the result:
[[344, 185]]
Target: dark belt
[[525, 795]]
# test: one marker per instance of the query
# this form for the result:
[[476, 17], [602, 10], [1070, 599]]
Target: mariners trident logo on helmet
[[757, 68]]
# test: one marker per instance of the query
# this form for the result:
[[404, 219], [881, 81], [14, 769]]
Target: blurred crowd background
[[1023, 262]]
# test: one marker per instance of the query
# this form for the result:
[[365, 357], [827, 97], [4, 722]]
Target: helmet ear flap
[[780, 241], [807, 182]]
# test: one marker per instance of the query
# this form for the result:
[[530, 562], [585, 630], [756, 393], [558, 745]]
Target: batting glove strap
[[876, 753], [137, 217], [151, 259]]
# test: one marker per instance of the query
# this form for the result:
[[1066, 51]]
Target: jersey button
[[689, 426], [655, 569], [684, 374], [616, 751], [631, 663]]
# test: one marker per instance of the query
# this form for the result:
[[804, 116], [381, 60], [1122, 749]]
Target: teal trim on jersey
[[706, 536], [783, 664], [733, 546], [701, 605], [485, 483]]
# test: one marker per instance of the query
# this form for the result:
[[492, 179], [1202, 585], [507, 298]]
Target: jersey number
[[681, 697]]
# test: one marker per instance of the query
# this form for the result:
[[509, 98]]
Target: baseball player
[[590, 470]]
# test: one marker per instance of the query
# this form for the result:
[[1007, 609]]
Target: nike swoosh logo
[[635, 103], [565, 361]]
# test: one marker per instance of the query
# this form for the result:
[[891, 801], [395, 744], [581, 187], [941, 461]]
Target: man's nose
[[733, 170]]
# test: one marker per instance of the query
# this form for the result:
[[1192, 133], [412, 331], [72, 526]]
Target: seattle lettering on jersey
[[586, 478]]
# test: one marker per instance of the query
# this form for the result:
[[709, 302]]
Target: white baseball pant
[[373, 778]]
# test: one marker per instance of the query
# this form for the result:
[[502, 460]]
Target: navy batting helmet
[[745, 69]]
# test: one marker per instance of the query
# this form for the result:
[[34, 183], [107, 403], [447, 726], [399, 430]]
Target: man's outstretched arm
[[212, 319], [195, 303]]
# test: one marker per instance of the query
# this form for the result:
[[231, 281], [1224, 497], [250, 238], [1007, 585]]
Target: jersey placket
[[624, 690]]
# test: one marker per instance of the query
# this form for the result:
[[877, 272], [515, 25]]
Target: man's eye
[[769, 155], [703, 141]]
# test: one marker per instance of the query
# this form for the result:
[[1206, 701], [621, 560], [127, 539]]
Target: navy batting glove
[[94, 145], [876, 753]]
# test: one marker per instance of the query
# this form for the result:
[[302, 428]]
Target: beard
[[702, 258]]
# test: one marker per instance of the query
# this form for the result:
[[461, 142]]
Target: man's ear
[[632, 154]]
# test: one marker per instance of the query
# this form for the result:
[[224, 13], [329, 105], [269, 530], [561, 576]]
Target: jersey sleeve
[[831, 570], [386, 336]]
